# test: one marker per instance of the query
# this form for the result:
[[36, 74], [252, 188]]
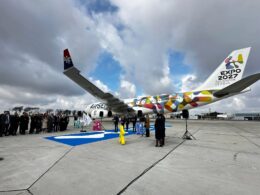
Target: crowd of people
[[141, 125], [11, 124]]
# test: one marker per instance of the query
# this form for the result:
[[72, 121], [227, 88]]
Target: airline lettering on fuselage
[[98, 106]]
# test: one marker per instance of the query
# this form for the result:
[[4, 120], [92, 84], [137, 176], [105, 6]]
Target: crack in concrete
[[241, 129], [150, 167], [19, 190], [29, 192], [28, 189]]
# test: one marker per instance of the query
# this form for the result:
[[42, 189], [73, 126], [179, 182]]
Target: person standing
[[134, 123], [32, 124], [163, 129], [50, 122], [127, 122], [7, 123], [2, 124], [16, 121], [62, 123], [116, 120], [67, 120], [139, 126], [147, 126], [45, 122], [75, 120], [122, 120], [159, 130], [38, 123], [24, 121], [56, 122]]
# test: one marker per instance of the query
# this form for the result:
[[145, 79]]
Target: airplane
[[224, 82]]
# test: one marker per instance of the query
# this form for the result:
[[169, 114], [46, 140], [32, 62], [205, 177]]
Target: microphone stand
[[187, 135]]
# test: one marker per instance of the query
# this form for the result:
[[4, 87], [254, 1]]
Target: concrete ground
[[224, 159]]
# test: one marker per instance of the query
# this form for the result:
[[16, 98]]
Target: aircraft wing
[[238, 86], [114, 103]]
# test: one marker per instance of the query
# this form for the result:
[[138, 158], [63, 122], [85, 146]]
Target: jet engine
[[101, 113]]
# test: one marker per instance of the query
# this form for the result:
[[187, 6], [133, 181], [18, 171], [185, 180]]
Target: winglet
[[67, 59]]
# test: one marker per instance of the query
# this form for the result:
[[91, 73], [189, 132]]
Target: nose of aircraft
[[87, 110]]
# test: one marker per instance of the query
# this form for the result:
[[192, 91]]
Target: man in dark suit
[[134, 123], [7, 123], [159, 130], [2, 124], [24, 120], [15, 120], [116, 120]]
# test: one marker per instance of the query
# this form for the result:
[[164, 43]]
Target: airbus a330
[[224, 82]]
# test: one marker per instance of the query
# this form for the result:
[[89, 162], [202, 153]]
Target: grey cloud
[[29, 73], [32, 38], [43, 29], [33, 35], [210, 31], [205, 31], [15, 96]]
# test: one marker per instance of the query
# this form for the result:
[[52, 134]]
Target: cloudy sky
[[127, 47]]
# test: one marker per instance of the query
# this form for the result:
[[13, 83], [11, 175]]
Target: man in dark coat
[[38, 124], [13, 124], [159, 130], [7, 123], [16, 121], [147, 126], [55, 122], [24, 120], [75, 119], [127, 123], [62, 123], [163, 118], [2, 124], [50, 123], [116, 120], [33, 123], [134, 123], [67, 119]]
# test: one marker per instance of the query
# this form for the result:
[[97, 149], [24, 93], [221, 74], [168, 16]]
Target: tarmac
[[224, 159]]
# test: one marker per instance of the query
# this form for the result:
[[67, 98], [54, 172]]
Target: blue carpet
[[89, 137]]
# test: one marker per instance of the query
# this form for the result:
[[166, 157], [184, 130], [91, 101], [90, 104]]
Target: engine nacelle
[[101, 113]]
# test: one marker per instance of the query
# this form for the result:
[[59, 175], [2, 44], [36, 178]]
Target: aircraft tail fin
[[229, 71], [67, 59]]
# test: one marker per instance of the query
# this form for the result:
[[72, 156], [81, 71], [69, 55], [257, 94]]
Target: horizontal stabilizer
[[238, 86]]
